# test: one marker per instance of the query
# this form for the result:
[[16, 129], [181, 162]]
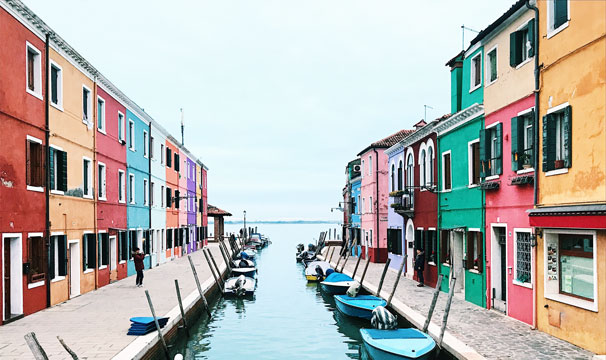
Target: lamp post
[[245, 228]]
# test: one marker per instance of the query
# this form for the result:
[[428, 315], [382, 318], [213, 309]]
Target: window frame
[[488, 68], [55, 174], [121, 127], [59, 104], [471, 164], [162, 196], [550, 23], [122, 186], [151, 147], [131, 188], [102, 181], [145, 144], [131, 135], [101, 115], [88, 195], [369, 165], [561, 108], [145, 192], [37, 71], [151, 193], [162, 154], [28, 139], [443, 172], [530, 284], [527, 113], [473, 87], [31, 283], [89, 104], [429, 167]]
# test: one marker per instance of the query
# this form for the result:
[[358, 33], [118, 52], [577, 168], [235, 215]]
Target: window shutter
[[63, 255], [52, 258], [531, 37], [51, 167], [28, 163], [483, 152], [200, 205], [514, 49], [567, 129], [63, 170], [515, 143], [499, 149], [548, 143], [177, 200], [168, 198], [99, 248], [560, 13], [84, 253]]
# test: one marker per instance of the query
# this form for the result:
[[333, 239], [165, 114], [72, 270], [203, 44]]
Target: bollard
[[395, 285], [364, 272], [356, 268], [383, 277], [151, 307], [193, 269], [212, 259], [433, 303], [212, 270], [35, 347], [181, 307]]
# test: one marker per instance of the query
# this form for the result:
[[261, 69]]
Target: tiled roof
[[388, 141], [214, 211]]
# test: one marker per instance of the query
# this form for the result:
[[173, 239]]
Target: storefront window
[[576, 265]]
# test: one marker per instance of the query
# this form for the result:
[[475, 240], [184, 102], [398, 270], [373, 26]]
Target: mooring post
[[225, 258], [364, 272], [338, 261], [353, 276], [212, 270], [344, 262], [69, 351], [193, 269], [395, 285], [383, 276], [436, 292], [446, 311], [35, 347], [151, 307], [331, 254], [181, 307], [212, 258]]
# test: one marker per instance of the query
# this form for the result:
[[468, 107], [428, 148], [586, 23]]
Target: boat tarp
[[399, 334], [337, 277]]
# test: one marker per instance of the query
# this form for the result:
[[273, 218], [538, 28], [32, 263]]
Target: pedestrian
[[420, 266], [138, 256]]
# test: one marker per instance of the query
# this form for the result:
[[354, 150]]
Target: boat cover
[[405, 343], [399, 334], [337, 277], [383, 319]]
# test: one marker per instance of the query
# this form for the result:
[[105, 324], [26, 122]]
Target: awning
[[572, 216]]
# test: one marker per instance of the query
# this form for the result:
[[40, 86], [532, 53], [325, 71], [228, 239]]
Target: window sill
[[121, 201], [446, 191], [491, 177], [102, 267], [525, 171], [580, 303], [131, 149], [88, 271], [490, 83], [101, 198], [36, 284], [34, 94], [524, 62], [554, 32], [445, 264], [87, 197], [57, 192], [122, 262], [102, 131], [474, 271], [431, 263], [58, 278], [557, 172], [519, 283], [471, 186], [475, 87], [57, 106], [35, 188]]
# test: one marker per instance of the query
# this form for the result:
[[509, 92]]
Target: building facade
[[396, 223]]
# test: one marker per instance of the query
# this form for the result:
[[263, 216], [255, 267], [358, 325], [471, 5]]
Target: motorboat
[[398, 344], [243, 267], [239, 286], [337, 283], [317, 270], [360, 306]]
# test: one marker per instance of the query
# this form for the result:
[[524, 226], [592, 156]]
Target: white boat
[[239, 286], [243, 267], [317, 270]]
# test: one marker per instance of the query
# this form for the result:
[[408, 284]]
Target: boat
[[336, 283], [243, 267], [317, 270], [306, 257], [360, 306], [247, 254], [239, 286], [398, 344]]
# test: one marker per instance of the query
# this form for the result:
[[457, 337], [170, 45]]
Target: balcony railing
[[403, 201]]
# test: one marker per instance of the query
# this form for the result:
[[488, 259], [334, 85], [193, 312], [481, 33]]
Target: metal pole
[[395, 285], [151, 307], [215, 264], [193, 269], [181, 306], [364, 272], [211, 269], [383, 276], [433, 303], [35, 347], [356, 268]]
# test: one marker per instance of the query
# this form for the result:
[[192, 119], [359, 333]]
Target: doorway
[[12, 273], [113, 253], [457, 241], [74, 268], [499, 268], [410, 241]]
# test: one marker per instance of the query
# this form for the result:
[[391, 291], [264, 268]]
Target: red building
[[111, 185], [23, 233]]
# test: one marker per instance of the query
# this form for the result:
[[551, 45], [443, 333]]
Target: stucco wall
[[368, 188], [477, 95]]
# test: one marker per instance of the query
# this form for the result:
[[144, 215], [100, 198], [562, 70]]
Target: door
[[113, 253], [74, 268], [458, 246], [499, 268], [6, 272], [13, 277], [410, 256]]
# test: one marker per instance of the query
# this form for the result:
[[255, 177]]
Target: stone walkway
[[492, 335], [94, 325]]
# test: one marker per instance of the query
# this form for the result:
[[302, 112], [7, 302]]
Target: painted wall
[[172, 181], [158, 177], [204, 180], [355, 192], [394, 220], [199, 196], [476, 96], [183, 193], [193, 206]]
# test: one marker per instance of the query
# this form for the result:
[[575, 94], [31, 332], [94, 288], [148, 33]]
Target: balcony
[[403, 202]]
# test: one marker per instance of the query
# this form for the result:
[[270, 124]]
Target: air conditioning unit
[[357, 168]]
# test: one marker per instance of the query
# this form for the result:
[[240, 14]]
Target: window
[[429, 167], [133, 243], [162, 196], [362, 169], [445, 246], [492, 65], [358, 205], [151, 194], [145, 144], [446, 172], [34, 163], [34, 70], [131, 188], [56, 85], [363, 205], [474, 162], [100, 114], [431, 247], [557, 16], [58, 251], [101, 185], [177, 164], [35, 257], [131, 135], [393, 177], [575, 262], [370, 165], [151, 147], [103, 250], [476, 72], [491, 150], [370, 237], [162, 154], [523, 259], [145, 192], [410, 172], [169, 155], [169, 238], [423, 170], [123, 246], [169, 197], [121, 186], [177, 200], [370, 204], [522, 137], [86, 105], [394, 241], [58, 170], [418, 240], [475, 258], [121, 131], [557, 139], [521, 44], [87, 177]]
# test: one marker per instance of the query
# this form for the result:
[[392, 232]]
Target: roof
[[482, 34], [457, 57], [388, 141], [214, 211]]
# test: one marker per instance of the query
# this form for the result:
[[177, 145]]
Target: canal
[[287, 318]]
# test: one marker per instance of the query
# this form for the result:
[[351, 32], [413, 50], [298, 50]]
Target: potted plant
[[396, 193], [559, 164], [526, 160]]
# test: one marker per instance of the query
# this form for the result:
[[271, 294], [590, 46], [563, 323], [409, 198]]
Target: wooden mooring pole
[[193, 269], [364, 272], [181, 307], [453, 281], [395, 285], [331, 254], [344, 262], [212, 270], [436, 292], [151, 307], [338, 261], [356, 268], [225, 258], [67, 348], [383, 276], [212, 258], [34, 346]]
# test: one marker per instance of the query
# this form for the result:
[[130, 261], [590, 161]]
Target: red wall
[[21, 114]]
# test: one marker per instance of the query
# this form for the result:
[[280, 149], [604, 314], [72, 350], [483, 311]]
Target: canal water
[[287, 318]]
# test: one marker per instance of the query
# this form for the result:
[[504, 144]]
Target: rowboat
[[239, 286], [398, 344], [360, 306], [243, 267], [336, 283], [316, 270]]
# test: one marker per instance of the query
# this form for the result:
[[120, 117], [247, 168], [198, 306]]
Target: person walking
[[138, 257], [420, 266]]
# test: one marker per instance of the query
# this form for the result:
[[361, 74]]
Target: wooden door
[[7, 278]]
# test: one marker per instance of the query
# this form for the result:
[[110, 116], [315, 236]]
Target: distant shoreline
[[294, 222]]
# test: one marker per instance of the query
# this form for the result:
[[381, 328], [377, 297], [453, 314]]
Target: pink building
[[374, 195]]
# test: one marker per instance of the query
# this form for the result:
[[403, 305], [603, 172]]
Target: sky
[[278, 96]]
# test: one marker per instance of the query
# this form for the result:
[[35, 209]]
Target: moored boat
[[317, 270], [360, 306], [398, 344], [336, 283], [239, 286], [243, 267]]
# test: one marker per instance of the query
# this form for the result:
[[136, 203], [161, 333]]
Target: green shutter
[[99, 249], [560, 13], [515, 50], [499, 149], [531, 37], [51, 167], [515, 143], [567, 129], [549, 133], [483, 153], [63, 171], [51, 257], [84, 253], [62, 255]]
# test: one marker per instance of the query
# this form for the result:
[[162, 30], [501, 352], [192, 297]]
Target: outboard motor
[[319, 272], [311, 247], [329, 271], [243, 264], [239, 286], [354, 289], [383, 319], [300, 248]]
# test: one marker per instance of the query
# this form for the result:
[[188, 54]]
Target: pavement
[[472, 331], [94, 325]]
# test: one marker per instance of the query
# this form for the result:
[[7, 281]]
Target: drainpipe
[[47, 155], [536, 147], [377, 197]]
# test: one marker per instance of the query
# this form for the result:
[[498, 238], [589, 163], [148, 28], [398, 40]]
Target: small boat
[[306, 257], [317, 270], [243, 267], [398, 344], [336, 283], [239, 286], [247, 254], [360, 306]]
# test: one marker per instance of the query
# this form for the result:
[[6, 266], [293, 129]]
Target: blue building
[[355, 208]]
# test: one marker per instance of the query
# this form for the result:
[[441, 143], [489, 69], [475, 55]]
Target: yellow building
[[200, 229], [73, 249], [570, 217]]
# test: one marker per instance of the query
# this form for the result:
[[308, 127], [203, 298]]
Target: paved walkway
[[487, 333], [94, 325]]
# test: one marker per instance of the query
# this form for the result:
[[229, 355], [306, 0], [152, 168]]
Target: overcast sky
[[278, 95]]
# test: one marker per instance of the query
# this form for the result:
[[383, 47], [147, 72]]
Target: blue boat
[[336, 283], [398, 344], [360, 306]]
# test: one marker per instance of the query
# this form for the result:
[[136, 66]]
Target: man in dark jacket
[[420, 266], [138, 257]]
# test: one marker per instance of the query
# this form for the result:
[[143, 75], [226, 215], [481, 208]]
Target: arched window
[[400, 175], [422, 171], [429, 166], [410, 171], [393, 170]]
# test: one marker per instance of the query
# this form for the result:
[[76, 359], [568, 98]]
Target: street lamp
[[245, 228]]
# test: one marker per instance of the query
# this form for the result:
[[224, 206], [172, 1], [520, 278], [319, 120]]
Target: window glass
[[492, 61], [576, 265], [523, 257]]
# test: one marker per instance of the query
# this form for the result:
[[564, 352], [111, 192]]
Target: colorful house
[[192, 205], [23, 235], [396, 223], [570, 215], [181, 200], [374, 193], [172, 192], [158, 192], [203, 207], [355, 221], [352, 171]]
